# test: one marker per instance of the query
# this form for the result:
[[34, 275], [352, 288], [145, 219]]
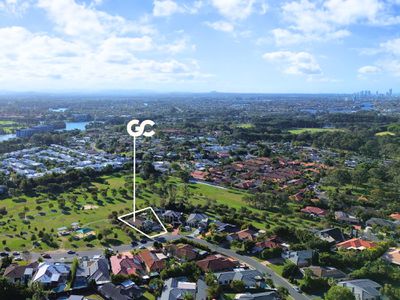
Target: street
[[278, 280]]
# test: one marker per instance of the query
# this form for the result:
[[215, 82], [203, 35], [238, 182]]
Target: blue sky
[[200, 45]]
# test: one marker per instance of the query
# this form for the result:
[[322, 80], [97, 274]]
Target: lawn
[[149, 296], [245, 125], [9, 126], [385, 133], [313, 130]]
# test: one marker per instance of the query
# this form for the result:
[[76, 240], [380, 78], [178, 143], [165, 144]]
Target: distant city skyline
[[248, 46]]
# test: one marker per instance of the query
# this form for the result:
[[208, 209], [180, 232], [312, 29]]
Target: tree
[[248, 245], [290, 270], [184, 175], [156, 285], [38, 293], [214, 291], [339, 292], [210, 278], [283, 292], [237, 286], [391, 292]]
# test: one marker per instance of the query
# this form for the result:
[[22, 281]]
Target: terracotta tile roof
[[314, 210], [395, 216], [272, 242], [126, 263], [152, 262], [182, 251], [199, 175], [215, 263], [245, 234], [356, 243]]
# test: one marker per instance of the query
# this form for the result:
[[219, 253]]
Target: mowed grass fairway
[[313, 130], [19, 230], [385, 133]]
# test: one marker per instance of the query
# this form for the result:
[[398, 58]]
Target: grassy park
[[312, 130], [29, 217]]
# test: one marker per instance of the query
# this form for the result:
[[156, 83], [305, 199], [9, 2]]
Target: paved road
[[278, 280]]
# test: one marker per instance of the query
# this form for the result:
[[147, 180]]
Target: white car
[[297, 289]]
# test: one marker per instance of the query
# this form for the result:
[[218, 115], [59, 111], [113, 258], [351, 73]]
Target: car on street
[[71, 252], [46, 255], [297, 289]]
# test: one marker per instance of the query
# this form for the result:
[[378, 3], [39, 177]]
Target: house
[[183, 251], [363, 289], [325, 272], [199, 175], [180, 288], [197, 220], [356, 244], [243, 235], [126, 264], [331, 235], [154, 261], [302, 258], [172, 217], [381, 223], [51, 274], [314, 211], [127, 290], [225, 227], [250, 278], [270, 295], [395, 216], [346, 218], [96, 270], [145, 224], [270, 243], [217, 263], [16, 273], [392, 256]]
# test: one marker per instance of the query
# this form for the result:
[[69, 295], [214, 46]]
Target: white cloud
[[368, 70], [177, 46], [239, 9], [75, 19], [29, 58], [91, 48], [296, 63], [325, 20], [16, 7], [221, 26], [391, 47], [166, 8]]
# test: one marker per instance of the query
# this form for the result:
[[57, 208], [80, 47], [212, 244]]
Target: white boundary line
[[137, 229], [139, 130], [134, 179]]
